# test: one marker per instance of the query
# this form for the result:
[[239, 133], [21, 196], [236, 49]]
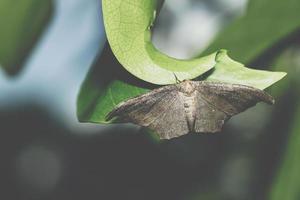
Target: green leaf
[[230, 71], [265, 23], [104, 87], [21, 23], [127, 24]]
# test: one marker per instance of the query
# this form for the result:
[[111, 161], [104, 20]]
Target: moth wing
[[217, 102], [144, 108], [172, 122], [208, 119], [161, 110]]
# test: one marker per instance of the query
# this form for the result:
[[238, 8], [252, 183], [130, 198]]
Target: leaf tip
[[281, 75]]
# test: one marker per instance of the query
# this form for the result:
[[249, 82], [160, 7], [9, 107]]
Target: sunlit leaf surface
[[127, 25]]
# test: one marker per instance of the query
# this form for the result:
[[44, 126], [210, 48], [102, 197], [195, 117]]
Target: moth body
[[188, 98]]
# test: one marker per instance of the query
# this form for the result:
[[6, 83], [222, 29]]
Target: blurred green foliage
[[265, 23], [21, 23], [286, 183]]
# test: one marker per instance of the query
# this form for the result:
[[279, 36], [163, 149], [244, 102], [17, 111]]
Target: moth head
[[186, 87]]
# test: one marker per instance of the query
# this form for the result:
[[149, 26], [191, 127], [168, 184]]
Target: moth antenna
[[177, 79]]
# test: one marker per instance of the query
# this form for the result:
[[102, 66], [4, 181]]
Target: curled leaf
[[127, 24]]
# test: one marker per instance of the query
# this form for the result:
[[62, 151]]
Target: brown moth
[[189, 106]]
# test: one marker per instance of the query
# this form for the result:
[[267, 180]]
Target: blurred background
[[47, 48]]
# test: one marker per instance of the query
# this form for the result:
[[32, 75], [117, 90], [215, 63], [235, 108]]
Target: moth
[[189, 106]]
